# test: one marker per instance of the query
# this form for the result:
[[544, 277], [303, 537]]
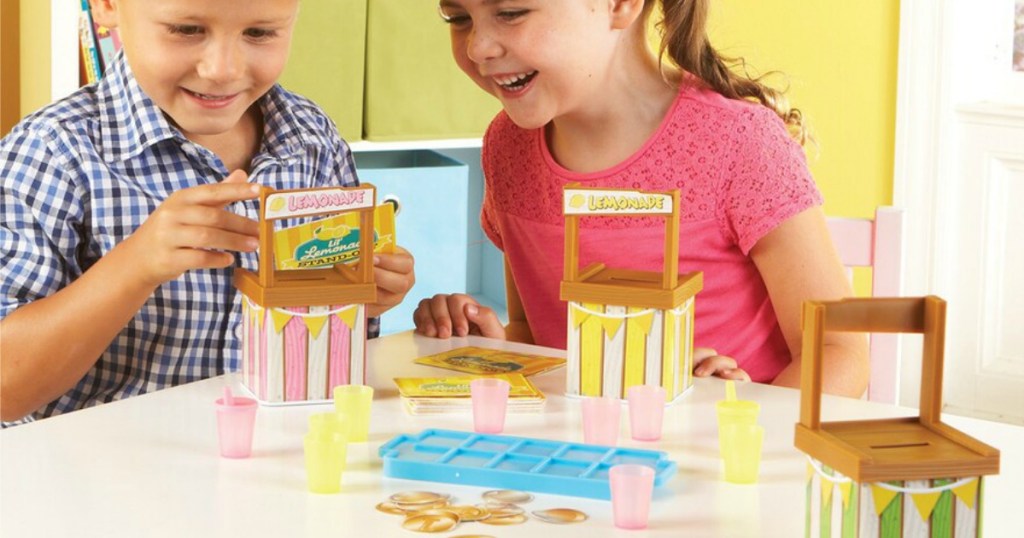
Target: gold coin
[[505, 520], [390, 508], [417, 497], [497, 509], [508, 496], [470, 513], [427, 521], [560, 515], [414, 507]]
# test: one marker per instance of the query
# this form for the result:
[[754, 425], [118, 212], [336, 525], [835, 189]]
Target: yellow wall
[[841, 59], [35, 55]]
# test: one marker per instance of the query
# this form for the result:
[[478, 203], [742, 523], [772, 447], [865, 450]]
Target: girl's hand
[[707, 362], [458, 314], [192, 230], [394, 276]]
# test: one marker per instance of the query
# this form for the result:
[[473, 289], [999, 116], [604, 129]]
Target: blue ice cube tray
[[521, 463]]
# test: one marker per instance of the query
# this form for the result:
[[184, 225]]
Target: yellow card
[[458, 387], [331, 240], [476, 360]]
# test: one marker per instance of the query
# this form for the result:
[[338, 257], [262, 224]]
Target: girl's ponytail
[[685, 42]]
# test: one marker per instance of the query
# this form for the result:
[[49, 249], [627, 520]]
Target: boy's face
[[204, 62]]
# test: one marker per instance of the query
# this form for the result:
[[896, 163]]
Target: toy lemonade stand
[[304, 330], [627, 327], [901, 477]]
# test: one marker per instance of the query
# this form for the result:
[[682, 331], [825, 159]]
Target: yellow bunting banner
[[611, 325], [280, 319], [641, 323], [348, 316], [315, 324], [967, 493], [810, 471], [578, 315], [826, 491], [844, 489], [882, 498], [925, 502]]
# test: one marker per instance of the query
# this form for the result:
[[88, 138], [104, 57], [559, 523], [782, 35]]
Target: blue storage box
[[431, 222]]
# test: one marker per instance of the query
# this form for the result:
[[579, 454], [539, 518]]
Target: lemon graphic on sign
[[340, 231], [322, 233], [277, 204], [576, 201]]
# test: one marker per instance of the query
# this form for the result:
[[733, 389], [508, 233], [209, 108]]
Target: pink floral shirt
[[740, 175]]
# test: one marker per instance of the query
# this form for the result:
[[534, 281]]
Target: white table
[[148, 466]]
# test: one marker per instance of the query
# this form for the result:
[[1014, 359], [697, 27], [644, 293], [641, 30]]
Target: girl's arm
[[798, 262]]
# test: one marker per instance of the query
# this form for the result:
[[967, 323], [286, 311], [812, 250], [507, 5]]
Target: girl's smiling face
[[541, 58]]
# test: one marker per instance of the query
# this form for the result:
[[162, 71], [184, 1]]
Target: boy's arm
[[48, 344]]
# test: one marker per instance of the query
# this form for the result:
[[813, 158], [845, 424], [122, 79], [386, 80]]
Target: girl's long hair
[[685, 42]]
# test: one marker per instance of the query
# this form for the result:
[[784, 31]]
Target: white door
[[960, 175]]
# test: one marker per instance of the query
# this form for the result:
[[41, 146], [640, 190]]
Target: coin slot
[[900, 445]]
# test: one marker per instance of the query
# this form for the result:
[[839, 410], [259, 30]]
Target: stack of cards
[[476, 360], [433, 395]]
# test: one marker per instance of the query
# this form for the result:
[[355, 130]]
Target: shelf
[[403, 145]]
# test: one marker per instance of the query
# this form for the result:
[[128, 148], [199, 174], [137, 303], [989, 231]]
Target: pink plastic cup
[[632, 486], [601, 420], [236, 418], [490, 399], [646, 411]]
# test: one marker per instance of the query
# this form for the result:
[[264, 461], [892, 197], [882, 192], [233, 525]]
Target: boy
[[127, 205]]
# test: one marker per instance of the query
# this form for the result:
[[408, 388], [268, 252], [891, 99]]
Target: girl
[[585, 100]]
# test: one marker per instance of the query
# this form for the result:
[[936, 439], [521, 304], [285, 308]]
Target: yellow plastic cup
[[325, 461], [741, 452], [353, 402], [330, 422], [731, 411]]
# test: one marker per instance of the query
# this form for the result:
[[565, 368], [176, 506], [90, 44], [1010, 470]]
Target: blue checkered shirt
[[79, 176]]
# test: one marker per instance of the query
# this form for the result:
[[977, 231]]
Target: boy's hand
[[192, 230], [457, 314], [394, 276], [707, 362]]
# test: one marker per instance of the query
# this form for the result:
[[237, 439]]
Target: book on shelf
[[99, 45], [433, 395], [87, 40], [108, 43]]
